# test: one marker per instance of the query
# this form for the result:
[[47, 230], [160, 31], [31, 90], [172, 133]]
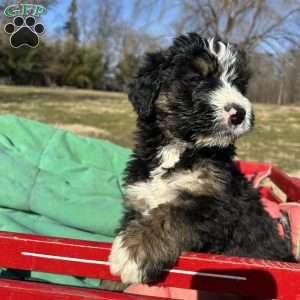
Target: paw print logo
[[24, 32]]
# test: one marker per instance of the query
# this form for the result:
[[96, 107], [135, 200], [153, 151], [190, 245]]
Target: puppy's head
[[195, 90]]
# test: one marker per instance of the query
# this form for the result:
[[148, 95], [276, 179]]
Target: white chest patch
[[157, 190], [149, 194], [146, 195], [169, 156], [160, 189]]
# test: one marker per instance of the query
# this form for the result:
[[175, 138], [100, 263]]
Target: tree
[[71, 26], [134, 45], [25, 65], [126, 69], [82, 66], [265, 24]]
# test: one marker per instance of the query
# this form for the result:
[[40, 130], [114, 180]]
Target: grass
[[275, 139], [89, 113]]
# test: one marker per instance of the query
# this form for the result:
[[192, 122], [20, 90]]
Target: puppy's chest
[[159, 189]]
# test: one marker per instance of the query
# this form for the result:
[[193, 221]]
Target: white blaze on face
[[226, 58], [227, 94]]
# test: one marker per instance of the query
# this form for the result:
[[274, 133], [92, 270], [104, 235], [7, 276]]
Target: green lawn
[[275, 139]]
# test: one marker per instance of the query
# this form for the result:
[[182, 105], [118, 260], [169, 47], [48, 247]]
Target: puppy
[[183, 189]]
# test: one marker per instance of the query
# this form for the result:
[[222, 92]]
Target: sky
[[55, 18]]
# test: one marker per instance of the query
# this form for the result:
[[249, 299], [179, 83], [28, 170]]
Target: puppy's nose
[[236, 113]]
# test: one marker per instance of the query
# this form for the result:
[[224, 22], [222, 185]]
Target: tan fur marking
[[162, 102], [203, 66]]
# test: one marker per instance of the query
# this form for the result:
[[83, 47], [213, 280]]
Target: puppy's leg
[[151, 244]]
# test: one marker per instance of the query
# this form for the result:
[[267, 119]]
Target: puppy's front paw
[[124, 263], [143, 251]]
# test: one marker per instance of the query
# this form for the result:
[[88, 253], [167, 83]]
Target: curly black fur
[[184, 191]]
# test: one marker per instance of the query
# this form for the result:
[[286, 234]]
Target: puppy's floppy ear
[[145, 88]]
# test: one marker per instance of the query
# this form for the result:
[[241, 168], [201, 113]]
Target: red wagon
[[257, 279]]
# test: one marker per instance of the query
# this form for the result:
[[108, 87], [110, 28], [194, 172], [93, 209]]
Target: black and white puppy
[[183, 189]]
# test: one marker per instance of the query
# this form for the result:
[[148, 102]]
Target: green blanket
[[58, 184]]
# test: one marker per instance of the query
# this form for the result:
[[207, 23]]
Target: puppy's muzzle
[[235, 114]]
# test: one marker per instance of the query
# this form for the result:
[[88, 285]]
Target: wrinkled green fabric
[[58, 184]]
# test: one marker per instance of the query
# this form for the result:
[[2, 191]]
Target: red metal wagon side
[[248, 277]]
